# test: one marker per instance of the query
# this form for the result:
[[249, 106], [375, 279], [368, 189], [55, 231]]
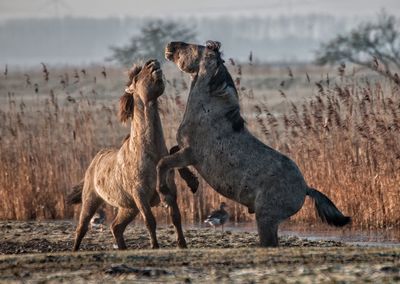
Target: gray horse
[[213, 138]]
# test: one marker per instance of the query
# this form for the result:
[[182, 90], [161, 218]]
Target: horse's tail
[[326, 210], [186, 174], [75, 197]]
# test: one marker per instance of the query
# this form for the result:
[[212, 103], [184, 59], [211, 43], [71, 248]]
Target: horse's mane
[[220, 81], [126, 102]]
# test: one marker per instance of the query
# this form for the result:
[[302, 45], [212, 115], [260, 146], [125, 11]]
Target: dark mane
[[126, 104], [219, 79], [126, 101], [233, 115]]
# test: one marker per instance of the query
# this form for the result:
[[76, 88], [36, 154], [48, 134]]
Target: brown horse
[[214, 139], [126, 178]]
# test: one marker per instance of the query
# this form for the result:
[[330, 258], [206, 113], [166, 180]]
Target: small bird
[[71, 99], [218, 217], [98, 219], [104, 72]]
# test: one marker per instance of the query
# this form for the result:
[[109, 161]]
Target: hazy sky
[[121, 8], [271, 29]]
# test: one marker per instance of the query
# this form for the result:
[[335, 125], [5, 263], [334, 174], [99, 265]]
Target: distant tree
[[375, 45], [151, 41]]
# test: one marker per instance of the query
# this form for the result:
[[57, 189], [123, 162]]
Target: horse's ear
[[125, 107], [213, 45], [132, 73]]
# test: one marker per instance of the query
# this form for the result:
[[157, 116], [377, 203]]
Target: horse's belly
[[228, 181], [116, 197]]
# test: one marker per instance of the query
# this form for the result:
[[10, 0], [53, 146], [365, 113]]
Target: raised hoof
[[164, 189], [191, 180], [194, 185]]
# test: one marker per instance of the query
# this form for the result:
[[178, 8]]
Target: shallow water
[[382, 237], [354, 237]]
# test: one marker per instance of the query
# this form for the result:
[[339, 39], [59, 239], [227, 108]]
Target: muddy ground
[[39, 252]]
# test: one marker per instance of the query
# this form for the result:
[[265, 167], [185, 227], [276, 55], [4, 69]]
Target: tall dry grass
[[346, 141], [344, 135]]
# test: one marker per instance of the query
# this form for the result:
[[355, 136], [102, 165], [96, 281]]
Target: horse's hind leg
[[145, 210], [90, 204], [267, 230], [123, 218]]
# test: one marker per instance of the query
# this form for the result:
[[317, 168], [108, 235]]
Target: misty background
[[81, 32]]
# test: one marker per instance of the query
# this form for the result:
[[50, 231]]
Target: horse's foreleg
[[145, 210], [174, 212], [186, 174], [176, 220], [180, 159], [123, 218]]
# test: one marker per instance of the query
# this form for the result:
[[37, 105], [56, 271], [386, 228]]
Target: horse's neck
[[146, 128], [195, 103], [204, 111]]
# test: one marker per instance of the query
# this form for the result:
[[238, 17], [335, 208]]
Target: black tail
[[186, 174], [327, 211], [75, 197]]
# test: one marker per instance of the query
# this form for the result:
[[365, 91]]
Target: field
[[41, 255], [341, 126]]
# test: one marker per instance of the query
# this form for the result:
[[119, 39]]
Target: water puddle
[[382, 237]]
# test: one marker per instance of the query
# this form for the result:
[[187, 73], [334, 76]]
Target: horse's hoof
[[182, 245], [164, 189], [194, 185]]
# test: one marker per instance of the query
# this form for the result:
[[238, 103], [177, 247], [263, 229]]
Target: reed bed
[[346, 141], [341, 129]]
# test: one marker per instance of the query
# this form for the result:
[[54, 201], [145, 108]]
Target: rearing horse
[[214, 139]]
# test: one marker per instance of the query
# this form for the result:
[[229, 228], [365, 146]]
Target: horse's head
[[210, 76], [191, 57], [145, 84]]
